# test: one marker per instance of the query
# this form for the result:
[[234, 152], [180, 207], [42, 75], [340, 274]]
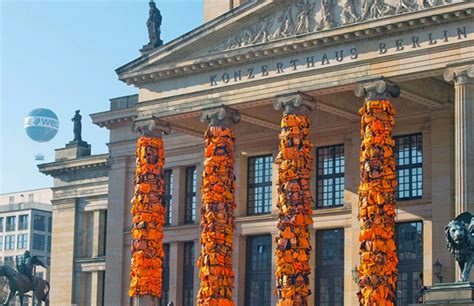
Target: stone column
[[98, 230], [62, 254], [178, 192], [239, 260], [96, 288], [117, 204], [378, 262], [441, 161], [217, 225], [351, 234], [295, 164], [176, 272], [463, 77], [147, 235]]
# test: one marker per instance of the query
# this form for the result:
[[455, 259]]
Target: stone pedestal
[[73, 150], [450, 294]]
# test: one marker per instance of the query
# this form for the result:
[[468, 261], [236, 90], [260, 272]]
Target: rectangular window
[[22, 242], [167, 196], [31, 197], [330, 176], [259, 185], [10, 242], [50, 224], [39, 223], [409, 240], [11, 224], [48, 244], [258, 271], [190, 196], [166, 275], [188, 274], [22, 222], [38, 242], [330, 267], [11, 199], [409, 161], [1, 243], [1, 225]]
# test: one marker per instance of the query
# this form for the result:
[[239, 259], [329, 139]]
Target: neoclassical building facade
[[316, 52]]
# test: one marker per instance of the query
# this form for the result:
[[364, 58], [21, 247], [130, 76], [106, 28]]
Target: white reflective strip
[[41, 122]]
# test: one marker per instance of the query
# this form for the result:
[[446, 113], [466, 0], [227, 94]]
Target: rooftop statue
[[22, 279], [154, 26], [460, 241], [77, 126]]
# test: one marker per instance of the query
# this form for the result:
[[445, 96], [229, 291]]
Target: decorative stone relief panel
[[307, 16]]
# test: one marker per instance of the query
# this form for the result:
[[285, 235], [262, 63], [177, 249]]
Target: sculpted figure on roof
[[154, 25]]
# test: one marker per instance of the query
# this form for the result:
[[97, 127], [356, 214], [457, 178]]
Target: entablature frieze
[[334, 78], [309, 42]]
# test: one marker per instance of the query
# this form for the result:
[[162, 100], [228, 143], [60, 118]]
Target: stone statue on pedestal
[[153, 25], [77, 130], [460, 242]]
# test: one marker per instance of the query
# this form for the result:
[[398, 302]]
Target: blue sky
[[62, 55]]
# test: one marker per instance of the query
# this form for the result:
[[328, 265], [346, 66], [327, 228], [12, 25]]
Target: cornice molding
[[114, 118], [71, 166]]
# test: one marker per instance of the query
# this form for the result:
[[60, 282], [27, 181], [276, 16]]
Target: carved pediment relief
[[308, 16]]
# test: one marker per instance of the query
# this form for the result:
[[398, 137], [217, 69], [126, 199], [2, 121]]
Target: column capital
[[150, 126], [460, 75], [220, 116], [298, 103], [377, 89]]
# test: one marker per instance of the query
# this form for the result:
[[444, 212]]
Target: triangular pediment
[[261, 24]]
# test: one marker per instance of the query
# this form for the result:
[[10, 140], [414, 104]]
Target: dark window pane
[[39, 223], [38, 242], [330, 267], [259, 185], [10, 242], [330, 165], [409, 161], [330, 247], [190, 196], [188, 274], [409, 239], [167, 196], [50, 224], [258, 271], [22, 242], [11, 224], [22, 222]]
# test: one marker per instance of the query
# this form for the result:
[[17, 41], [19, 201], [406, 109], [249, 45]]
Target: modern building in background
[[246, 57], [26, 224]]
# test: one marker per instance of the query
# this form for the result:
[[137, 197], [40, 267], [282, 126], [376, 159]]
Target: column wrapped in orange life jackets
[[148, 218], [295, 162], [218, 205], [378, 257]]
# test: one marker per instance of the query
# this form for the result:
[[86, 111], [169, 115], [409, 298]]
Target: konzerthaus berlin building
[[244, 59]]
